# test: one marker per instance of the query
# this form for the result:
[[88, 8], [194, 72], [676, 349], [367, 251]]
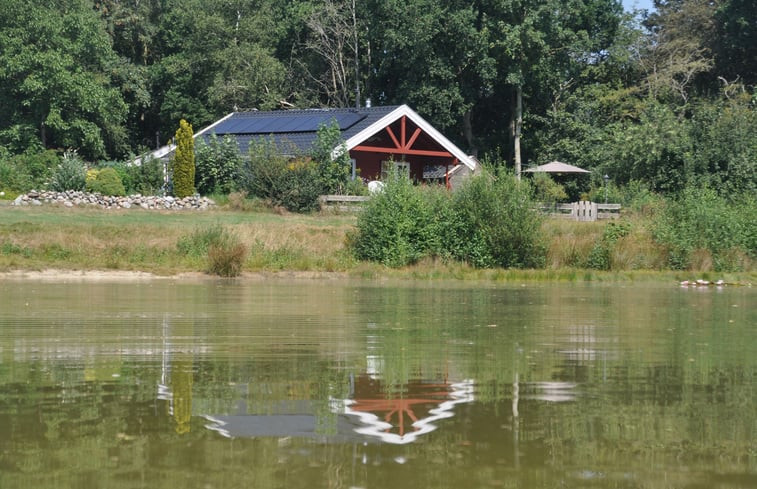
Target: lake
[[371, 384]]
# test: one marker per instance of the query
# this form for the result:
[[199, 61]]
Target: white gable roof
[[404, 110]]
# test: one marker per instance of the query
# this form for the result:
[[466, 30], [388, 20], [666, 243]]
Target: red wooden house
[[380, 140]]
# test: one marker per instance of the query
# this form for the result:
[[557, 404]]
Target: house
[[371, 413], [380, 140]]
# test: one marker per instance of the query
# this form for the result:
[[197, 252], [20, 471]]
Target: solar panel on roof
[[286, 123]]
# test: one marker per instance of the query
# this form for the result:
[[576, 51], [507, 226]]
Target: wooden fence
[[583, 211], [578, 211], [342, 203]]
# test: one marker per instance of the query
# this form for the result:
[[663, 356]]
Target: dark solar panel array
[[286, 123]]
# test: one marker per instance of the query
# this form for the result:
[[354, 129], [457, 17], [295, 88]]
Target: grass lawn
[[49, 237], [75, 239]]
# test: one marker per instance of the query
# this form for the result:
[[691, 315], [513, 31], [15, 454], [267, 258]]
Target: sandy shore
[[54, 275]]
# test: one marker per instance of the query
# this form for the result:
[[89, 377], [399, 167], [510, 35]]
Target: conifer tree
[[184, 162]]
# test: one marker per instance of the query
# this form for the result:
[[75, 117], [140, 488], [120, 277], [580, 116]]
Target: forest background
[[666, 98]]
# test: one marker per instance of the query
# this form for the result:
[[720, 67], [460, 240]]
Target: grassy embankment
[[38, 238]]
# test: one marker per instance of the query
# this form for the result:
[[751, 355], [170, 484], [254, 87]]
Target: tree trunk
[[518, 126], [468, 131]]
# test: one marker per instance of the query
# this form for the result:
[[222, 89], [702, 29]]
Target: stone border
[[72, 198]]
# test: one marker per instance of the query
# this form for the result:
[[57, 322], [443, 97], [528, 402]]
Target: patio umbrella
[[557, 167]]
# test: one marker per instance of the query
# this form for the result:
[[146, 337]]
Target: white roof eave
[[404, 110], [164, 150]]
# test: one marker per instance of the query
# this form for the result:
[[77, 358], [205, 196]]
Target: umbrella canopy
[[556, 167]]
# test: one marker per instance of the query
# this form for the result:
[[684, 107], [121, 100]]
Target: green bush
[[398, 226], [218, 163], [546, 190], [147, 178], [107, 182], [290, 182], [699, 220], [225, 253], [497, 224], [488, 222], [70, 174], [333, 173], [184, 161], [600, 255], [9, 175], [198, 243], [28, 171]]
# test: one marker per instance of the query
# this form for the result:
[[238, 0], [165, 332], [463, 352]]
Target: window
[[394, 168]]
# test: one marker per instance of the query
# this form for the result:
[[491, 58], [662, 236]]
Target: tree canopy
[[665, 97]]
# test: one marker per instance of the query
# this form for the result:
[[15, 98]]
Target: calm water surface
[[313, 384]]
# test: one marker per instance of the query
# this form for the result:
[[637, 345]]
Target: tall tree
[[677, 53], [543, 47], [333, 39], [433, 55], [184, 161], [56, 69], [735, 46]]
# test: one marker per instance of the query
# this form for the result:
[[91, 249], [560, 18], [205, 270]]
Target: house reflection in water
[[401, 417], [373, 412]]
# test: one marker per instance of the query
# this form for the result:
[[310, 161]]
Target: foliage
[[199, 241], [546, 190], [107, 181], [290, 182], [489, 222], [71, 173], [224, 250], [28, 171], [333, 173], [184, 161], [145, 178], [227, 258], [701, 221], [218, 163], [397, 226], [600, 256], [498, 223], [667, 100], [58, 89]]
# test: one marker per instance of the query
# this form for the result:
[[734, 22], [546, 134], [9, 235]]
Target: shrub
[[227, 259], [71, 173], [601, 254], [497, 224], [28, 171], [333, 173], [198, 243], [225, 253], [107, 182], [698, 220], [546, 190], [292, 183], [218, 163], [184, 162], [397, 226], [147, 178], [9, 175], [488, 222]]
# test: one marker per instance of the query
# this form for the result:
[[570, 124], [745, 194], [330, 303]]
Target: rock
[[74, 198]]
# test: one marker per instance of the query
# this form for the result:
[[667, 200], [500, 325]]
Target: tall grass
[[171, 242]]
